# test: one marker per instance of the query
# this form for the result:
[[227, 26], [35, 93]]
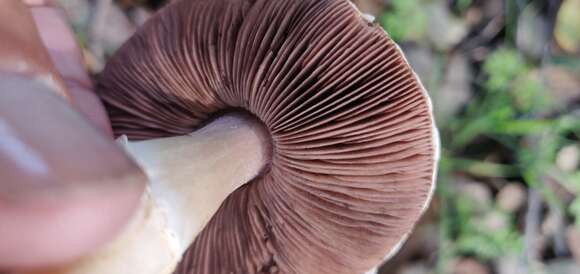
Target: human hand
[[65, 187]]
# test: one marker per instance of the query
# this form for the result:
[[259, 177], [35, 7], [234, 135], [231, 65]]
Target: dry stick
[[560, 246], [531, 230]]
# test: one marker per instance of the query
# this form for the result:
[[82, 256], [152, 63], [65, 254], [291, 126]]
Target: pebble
[[511, 198], [568, 158]]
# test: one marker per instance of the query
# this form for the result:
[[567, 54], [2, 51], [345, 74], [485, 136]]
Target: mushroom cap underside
[[353, 147]]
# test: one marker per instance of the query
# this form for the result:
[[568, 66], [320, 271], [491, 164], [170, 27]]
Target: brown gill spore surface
[[351, 129]]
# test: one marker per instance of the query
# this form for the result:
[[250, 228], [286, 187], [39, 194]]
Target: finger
[[21, 49], [66, 56], [66, 188]]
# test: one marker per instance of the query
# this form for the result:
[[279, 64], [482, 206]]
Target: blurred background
[[504, 76]]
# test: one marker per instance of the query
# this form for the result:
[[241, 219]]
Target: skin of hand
[[39, 230]]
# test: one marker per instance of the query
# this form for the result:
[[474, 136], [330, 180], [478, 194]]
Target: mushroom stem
[[190, 176]]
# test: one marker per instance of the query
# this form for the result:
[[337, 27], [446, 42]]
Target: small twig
[[488, 32], [552, 14], [560, 246], [532, 225]]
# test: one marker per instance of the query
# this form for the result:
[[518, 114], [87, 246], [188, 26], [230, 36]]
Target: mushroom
[[180, 199], [304, 113]]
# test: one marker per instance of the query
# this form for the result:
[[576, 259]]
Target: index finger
[[66, 188], [22, 51], [66, 56]]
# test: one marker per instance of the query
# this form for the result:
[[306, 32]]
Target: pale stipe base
[[190, 176]]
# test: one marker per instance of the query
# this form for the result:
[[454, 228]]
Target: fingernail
[[48, 150], [22, 50], [34, 3]]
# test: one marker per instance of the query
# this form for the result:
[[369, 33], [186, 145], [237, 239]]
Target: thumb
[[65, 187]]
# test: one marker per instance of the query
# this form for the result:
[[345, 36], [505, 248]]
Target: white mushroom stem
[[190, 176]]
